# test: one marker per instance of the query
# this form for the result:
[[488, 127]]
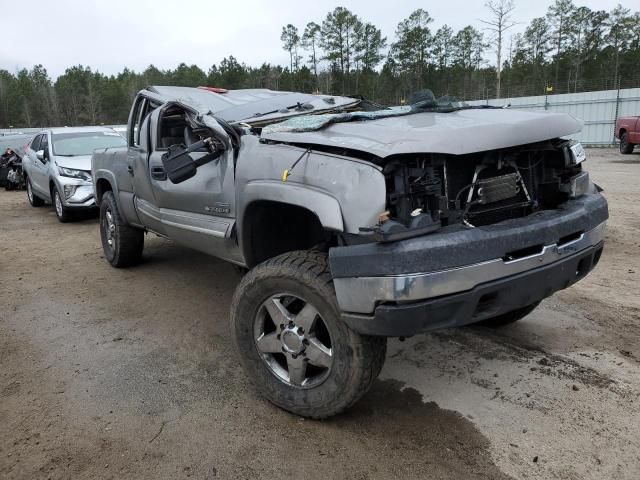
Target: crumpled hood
[[79, 162], [457, 133]]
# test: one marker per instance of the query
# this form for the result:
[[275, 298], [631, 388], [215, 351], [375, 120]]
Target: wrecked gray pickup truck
[[354, 223]]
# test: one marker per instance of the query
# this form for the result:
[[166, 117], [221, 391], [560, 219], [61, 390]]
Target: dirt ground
[[109, 373]]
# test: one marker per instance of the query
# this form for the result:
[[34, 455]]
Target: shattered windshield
[[422, 101], [425, 100]]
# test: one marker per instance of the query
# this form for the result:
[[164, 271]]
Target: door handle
[[158, 173], [130, 170]]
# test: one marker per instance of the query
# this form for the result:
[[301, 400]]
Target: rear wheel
[[122, 243], [509, 317], [626, 147], [62, 212], [34, 200], [292, 343]]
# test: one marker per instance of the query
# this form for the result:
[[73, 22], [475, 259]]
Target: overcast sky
[[109, 35]]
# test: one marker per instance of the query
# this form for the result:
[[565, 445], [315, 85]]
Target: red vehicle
[[628, 131]]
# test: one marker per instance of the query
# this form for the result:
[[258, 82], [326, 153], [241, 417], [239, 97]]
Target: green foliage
[[571, 49]]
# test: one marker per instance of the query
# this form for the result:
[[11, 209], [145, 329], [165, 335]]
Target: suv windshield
[[84, 143]]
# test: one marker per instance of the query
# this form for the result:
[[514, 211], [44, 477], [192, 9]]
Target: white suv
[[57, 167]]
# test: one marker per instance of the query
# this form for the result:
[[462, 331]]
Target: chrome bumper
[[362, 294]]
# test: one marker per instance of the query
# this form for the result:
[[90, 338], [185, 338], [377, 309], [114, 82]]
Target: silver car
[[57, 166]]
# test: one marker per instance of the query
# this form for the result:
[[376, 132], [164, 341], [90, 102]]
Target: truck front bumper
[[464, 276]]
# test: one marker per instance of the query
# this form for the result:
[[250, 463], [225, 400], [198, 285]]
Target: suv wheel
[[509, 317], [34, 200], [288, 334], [122, 243], [62, 212], [625, 146]]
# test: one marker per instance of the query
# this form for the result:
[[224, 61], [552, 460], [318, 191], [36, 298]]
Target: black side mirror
[[180, 166]]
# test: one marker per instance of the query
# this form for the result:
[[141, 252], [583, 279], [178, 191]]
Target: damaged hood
[[457, 133]]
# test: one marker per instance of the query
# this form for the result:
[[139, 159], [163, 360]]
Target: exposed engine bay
[[428, 192]]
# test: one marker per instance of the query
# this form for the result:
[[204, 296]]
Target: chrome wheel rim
[[109, 228], [58, 202], [293, 341], [29, 192]]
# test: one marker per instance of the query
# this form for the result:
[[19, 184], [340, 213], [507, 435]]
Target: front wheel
[[62, 212], [294, 347], [122, 243], [626, 147]]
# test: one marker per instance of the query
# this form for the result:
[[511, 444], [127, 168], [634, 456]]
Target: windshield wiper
[[299, 107]]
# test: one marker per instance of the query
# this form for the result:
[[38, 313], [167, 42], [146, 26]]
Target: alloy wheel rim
[[109, 228], [58, 203], [29, 192], [293, 341]]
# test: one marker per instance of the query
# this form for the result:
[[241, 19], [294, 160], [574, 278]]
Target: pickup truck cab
[[355, 222], [628, 132]]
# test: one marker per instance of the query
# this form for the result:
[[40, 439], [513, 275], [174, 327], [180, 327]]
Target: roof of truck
[[256, 104]]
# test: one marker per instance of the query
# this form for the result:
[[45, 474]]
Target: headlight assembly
[[73, 173]]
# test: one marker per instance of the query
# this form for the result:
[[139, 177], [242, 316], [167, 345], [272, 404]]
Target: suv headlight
[[73, 173]]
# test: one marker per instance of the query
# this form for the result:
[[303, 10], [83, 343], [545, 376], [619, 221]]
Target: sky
[[109, 35]]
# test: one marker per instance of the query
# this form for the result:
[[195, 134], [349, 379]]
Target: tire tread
[[312, 268]]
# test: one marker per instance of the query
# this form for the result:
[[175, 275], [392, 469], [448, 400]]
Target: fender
[[325, 206], [124, 200], [102, 174]]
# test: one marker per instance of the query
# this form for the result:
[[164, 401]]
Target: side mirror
[[40, 155], [179, 164]]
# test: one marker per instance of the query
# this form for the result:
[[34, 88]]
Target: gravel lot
[[109, 373]]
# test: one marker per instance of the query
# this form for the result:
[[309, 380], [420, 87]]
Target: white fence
[[598, 110]]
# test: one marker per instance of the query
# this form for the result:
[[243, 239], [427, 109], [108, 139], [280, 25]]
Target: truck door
[[138, 164], [200, 211]]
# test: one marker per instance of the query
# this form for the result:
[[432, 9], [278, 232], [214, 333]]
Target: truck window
[[138, 117], [171, 128]]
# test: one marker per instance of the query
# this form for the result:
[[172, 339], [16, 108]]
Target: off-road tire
[[34, 200], [128, 242], [62, 212], [357, 359], [509, 317], [626, 147]]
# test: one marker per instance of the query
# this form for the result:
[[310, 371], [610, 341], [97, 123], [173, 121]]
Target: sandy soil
[[110, 373]]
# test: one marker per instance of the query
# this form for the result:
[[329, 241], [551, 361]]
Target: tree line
[[570, 49]]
